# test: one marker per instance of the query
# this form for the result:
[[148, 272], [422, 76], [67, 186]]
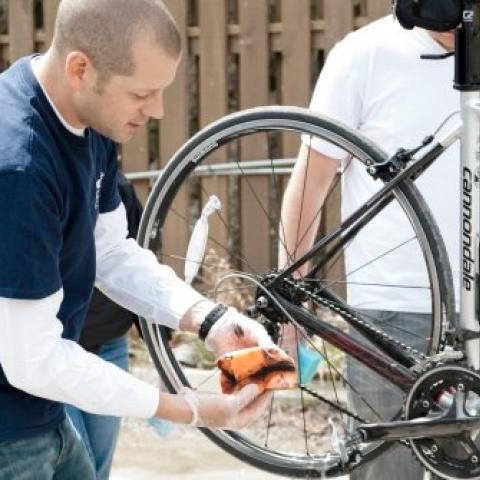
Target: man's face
[[118, 108], [445, 39]]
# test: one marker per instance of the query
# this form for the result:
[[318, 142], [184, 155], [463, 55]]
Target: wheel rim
[[273, 458]]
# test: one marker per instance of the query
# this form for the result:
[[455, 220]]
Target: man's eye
[[140, 97]]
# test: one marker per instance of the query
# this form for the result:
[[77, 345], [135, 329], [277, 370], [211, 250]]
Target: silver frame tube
[[470, 220]]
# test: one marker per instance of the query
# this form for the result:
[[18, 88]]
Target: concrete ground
[[183, 454], [159, 451]]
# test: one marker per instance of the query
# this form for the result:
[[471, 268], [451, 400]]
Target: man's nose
[[154, 107]]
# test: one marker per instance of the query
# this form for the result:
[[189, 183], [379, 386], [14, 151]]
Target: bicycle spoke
[[334, 369], [227, 290], [216, 242], [269, 420], [330, 191], [382, 255], [201, 262], [282, 226], [321, 280], [259, 201], [304, 423]]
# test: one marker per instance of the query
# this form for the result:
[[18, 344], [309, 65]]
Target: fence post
[[50, 8], [21, 28], [296, 48], [342, 12], [173, 133], [254, 60], [212, 16], [378, 8], [134, 156]]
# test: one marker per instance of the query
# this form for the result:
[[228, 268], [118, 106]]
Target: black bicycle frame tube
[[384, 344], [347, 236], [376, 361]]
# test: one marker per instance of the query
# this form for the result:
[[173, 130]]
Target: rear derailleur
[[265, 307]]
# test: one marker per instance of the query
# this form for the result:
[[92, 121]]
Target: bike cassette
[[450, 393]]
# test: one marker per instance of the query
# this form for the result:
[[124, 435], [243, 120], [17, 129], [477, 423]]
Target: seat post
[[467, 48]]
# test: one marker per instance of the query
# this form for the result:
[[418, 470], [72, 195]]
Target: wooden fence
[[239, 54]]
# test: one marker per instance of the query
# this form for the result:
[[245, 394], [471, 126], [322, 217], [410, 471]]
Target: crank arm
[[418, 428]]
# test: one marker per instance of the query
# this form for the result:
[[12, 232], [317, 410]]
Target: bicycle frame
[[394, 364], [467, 80], [392, 371]]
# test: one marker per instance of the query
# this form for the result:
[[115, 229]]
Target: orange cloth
[[270, 368]]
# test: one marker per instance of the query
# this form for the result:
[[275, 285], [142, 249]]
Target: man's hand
[[212, 410], [234, 331]]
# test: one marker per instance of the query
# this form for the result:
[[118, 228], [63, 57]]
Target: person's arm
[[132, 277], [338, 94], [37, 360], [306, 191], [33, 355]]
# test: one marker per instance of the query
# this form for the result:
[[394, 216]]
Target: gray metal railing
[[253, 167]]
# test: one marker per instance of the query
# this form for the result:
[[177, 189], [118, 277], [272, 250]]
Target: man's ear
[[79, 71]]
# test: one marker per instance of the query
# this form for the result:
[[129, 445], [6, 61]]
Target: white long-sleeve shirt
[[36, 359]]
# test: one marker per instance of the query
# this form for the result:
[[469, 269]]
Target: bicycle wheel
[[244, 160]]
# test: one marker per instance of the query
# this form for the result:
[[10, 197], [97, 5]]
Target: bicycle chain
[[418, 356], [334, 405], [332, 306]]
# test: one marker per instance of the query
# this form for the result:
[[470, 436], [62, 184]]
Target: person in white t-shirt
[[375, 81]]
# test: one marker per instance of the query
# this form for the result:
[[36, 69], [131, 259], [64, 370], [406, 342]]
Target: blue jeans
[[55, 455], [100, 432], [397, 463]]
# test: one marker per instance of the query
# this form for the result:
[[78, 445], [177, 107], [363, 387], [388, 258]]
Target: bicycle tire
[[180, 168]]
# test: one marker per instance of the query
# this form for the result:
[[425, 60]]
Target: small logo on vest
[[98, 188]]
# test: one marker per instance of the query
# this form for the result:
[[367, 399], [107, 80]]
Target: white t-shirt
[[375, 81]]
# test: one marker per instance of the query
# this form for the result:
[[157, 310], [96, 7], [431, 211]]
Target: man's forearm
[[132, 276], [194, 317], [173, 407], [302, 204], [37, 360]]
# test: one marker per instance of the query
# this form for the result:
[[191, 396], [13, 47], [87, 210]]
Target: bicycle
[[439, 419]]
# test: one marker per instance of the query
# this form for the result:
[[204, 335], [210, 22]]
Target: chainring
[[433, 394]]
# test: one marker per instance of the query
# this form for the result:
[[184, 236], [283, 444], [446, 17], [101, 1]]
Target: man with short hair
[[375, 81], [63, 228]]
